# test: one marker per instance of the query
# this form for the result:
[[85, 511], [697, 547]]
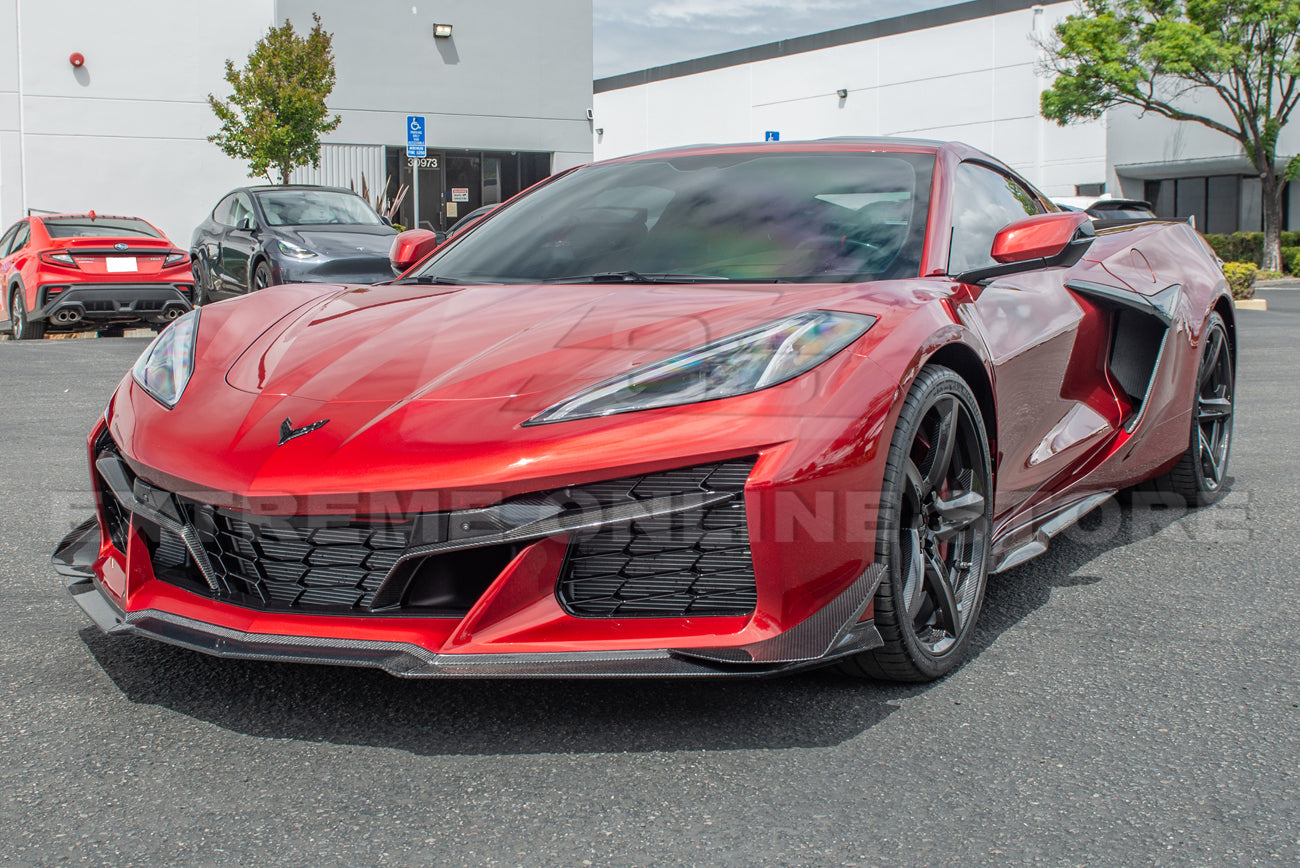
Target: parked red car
[[90, 272], [726, 410]]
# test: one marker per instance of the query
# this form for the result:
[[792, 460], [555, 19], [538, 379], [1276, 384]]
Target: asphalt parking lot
[[1134, 699]]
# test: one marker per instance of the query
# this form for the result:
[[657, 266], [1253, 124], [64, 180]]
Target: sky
[[638, 34]]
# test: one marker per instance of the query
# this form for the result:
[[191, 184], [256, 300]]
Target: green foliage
[[1291, 260], [276, 113], [1170, 56], [1241, 278], [1268, 275], [1247, 246]]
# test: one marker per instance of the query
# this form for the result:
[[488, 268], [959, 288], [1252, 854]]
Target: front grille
[[116, 519], [692, 563], [695, 562], [305, 561]]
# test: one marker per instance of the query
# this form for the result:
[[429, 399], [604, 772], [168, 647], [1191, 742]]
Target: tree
[[277, 113], [1156, 55]]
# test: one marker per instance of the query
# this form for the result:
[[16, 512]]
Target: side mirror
[[1057, 238], [245, 224], [410, 247], [1043, 236]]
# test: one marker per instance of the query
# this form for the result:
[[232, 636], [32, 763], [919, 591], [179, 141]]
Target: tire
[[200, 283], [936, 516], [22, 328], [1198, 477], [261, 277]]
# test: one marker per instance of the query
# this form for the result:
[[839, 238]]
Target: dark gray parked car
[[261, 236]]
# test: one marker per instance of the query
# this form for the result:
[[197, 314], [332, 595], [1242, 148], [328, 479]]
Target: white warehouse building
[[971, 72], [103, 105]]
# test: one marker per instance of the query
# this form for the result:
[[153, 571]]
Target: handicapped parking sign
[[772, 136], [415, 136]]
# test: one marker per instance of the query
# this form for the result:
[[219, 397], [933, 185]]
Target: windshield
[[316, 208], [837, 217], [1127, 212], [98, 227]]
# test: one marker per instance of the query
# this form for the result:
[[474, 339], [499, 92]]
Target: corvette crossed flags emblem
[[288, 432]]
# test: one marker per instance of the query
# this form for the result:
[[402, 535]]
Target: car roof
[[1083, 203], [270, 188], [87, 215], [886, 144]]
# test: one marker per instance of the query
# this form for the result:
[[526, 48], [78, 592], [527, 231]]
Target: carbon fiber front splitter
[[836, 631]]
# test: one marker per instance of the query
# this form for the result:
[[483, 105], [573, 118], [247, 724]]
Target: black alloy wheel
[[935, 524], [261, 276], [23, 328], [200, 284], [1201, 471]]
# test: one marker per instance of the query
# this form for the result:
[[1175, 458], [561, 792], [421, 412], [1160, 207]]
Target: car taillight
[[175, 259], [64, 259]]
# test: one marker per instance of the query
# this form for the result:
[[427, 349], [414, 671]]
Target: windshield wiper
[[639, 277], [435, 280]]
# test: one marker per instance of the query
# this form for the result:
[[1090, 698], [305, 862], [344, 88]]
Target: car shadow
[[543, 716]]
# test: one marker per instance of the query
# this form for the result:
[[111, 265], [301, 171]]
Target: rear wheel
[[935, 521], [23, 328], [1198, 477]]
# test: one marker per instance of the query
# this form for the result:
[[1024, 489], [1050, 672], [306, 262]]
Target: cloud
[[636, 34]]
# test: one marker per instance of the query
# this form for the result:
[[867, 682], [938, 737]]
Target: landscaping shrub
[[1248, 246], [1241, 278]]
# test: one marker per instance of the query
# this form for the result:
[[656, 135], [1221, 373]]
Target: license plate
[[120, 263]]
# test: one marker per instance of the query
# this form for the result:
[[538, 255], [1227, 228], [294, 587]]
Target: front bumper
[[361, 271], [835, 631], [99, 304]]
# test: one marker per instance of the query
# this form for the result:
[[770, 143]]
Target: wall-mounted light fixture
[[442, 31], [842, 93], [600, 131]]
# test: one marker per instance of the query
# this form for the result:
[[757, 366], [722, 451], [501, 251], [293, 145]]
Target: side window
[[8, 240], [24, 233], [241, 209], [221, 213], [983, 202]]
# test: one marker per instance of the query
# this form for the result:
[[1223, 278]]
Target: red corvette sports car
[[724, 410], [90, 272]]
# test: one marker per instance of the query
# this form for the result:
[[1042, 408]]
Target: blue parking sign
[[415, 136], [772, 136]]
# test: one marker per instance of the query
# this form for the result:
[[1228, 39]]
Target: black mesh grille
[[692, 563], [301, 562], [116, 519]]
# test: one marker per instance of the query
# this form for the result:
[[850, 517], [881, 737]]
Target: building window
[[1221, 204]]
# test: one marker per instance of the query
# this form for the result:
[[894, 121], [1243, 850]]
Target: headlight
[[295, 250], [746, 362], [164, 368]]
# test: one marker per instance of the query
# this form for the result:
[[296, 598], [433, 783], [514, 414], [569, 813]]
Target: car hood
[[420, 388], [400, 343], [347, 241]]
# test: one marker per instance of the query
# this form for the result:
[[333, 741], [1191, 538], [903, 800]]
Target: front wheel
[[200, 284], [261, 276], [1199, 476], [935, 522]]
